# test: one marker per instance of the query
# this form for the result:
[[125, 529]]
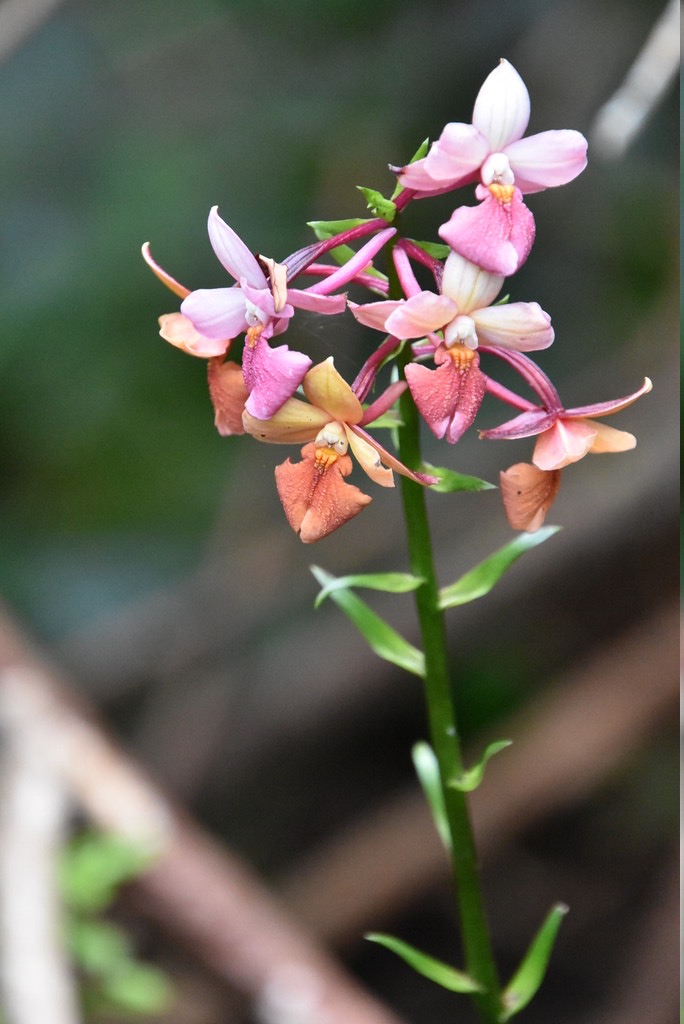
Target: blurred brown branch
[[197, 888]]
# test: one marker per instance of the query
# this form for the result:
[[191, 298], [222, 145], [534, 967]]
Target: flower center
[[496, 170], [504, 193], [461, 355], [331, 442], [252, 335], [461, 331]]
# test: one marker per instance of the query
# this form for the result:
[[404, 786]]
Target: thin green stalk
[[443, 726]]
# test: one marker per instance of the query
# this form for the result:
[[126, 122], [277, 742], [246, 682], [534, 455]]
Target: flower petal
[[233, 253], [387, 458], [449, 397], [294, 423], [527, 424], [180, 331], [565, 442], [502, 107], [228, 393], [302, 298], [523, 326], [420, 315], [468, 285], [528, 493], [456, 156], [495, 235], [368, 456], [178, 289], [547, 159], [326, 389], [216, 312], [315, 502], [608, 439], [608, 408], [272, 376], [374, 314]]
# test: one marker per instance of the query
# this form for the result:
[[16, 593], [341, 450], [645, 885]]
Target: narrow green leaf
[[480, 580], [435, 249], [390, 582], [378, 204], [94, 865], [435, 970], [471, 779], [427, 770], [139, 989], [380, 636], [525, 983], [449, 481], [324, 229], [97, 946]]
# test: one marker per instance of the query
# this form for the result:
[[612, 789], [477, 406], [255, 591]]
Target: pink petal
[[355, 265], [272, 376], [457, 155], [616, 405], [216, 312], [502, 107], [420, 315], [495, 235], [565, 442], [608, 439], [356, 433], [547, 159], [523, 326], [527, 424], [233, 253], [178, 330], [302, 298], [374, 314], [449, 397]]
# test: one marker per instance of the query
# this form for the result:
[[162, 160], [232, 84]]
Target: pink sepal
[[496, 235], [272, 375]]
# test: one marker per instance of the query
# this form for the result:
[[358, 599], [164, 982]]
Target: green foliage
[[93, 868], [427, 770], [435, 970], [378, 204], [379, 635], [451, 481], [480, 580], [470, 779], [390, 582], [525, 983]]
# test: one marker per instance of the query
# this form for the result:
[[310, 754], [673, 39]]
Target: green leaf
[[480, 580], [94, 865], [381, 637], [435, 970], [449, 481], [427, 770], [471, 779], [437, 250], [138, 988], [378, 204], [324, 229], [390, 582], [525, 983], [97, 946]]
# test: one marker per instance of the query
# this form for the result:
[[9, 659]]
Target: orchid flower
[[563, 435], [450, 396], [314, 495], [498, 234], [259, 305]]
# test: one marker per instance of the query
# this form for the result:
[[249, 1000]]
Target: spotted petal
[[272, 376], [316, 503]]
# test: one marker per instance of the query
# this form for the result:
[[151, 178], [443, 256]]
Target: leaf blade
[[526, 981], [431, 968], [480, 580]]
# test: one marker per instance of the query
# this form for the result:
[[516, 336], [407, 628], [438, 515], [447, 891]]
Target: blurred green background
[[126, 122]]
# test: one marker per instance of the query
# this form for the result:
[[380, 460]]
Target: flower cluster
[[450, 325]]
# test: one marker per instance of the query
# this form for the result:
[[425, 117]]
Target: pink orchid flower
[[260, 305], [314, 494], [498, 234], [449, 397], [563, 435], [493, 147]]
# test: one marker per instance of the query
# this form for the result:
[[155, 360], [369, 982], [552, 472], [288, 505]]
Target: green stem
[[479, 960]]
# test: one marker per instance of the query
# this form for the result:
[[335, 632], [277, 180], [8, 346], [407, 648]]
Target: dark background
[[151, 556]]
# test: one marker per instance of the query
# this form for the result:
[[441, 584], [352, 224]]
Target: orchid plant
[[434, 341]]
